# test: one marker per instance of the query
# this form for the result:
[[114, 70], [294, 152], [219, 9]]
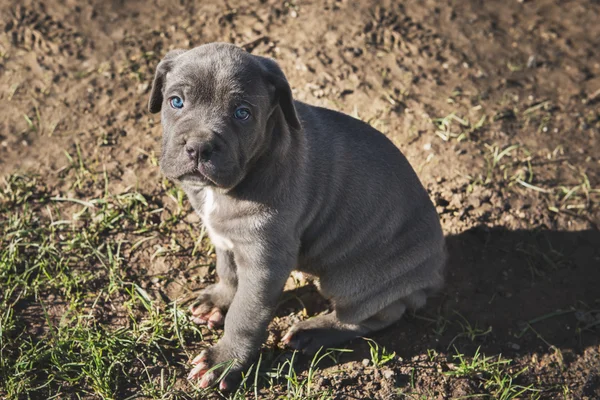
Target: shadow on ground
[[524, 293]]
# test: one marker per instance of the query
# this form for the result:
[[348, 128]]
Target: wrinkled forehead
[[217, 78]]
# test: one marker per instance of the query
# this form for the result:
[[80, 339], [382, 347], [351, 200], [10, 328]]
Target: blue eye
[[176, 102], [241, 113]]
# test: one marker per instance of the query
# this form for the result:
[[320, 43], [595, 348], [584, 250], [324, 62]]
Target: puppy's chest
[[227, 224], [216, 226]]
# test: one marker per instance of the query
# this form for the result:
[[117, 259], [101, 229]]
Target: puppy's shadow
[[511, 292], [518, 283]]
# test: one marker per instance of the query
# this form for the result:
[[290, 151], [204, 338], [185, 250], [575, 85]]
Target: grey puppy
[[280, 186]]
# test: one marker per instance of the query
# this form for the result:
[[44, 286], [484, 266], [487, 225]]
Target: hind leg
[[328, 330]]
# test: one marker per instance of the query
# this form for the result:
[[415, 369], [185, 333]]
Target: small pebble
[[388, 374], [365, 362]]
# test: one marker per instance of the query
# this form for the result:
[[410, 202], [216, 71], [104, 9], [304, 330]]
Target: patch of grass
[[72, 323], [469, 331], [298, 388], [577, 198], [518, 169], [379, 355], [495, 375], [514, 167], [453, 127], [284, 375], [77, 165]]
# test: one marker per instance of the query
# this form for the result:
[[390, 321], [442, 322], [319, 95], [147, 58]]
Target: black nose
[[199, 151]]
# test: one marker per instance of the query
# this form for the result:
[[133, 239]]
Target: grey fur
[[294, 187]]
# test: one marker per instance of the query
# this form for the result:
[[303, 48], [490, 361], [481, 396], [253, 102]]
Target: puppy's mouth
[[199, 175]]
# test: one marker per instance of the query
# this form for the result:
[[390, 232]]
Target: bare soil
[[496, 104]]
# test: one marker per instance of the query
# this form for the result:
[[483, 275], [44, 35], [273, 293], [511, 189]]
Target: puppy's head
[[216, 102]]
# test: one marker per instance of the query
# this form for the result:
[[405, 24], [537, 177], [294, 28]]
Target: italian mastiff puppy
[[281, 186]]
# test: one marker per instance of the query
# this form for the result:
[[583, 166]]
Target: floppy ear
[[283, 92], [156, 94]]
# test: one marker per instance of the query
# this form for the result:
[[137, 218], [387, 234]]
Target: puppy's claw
[[197, 371], [198, 310], [207, 370], [199, 358], [223, 385], [212, 318], [216, 317], [288, 337], [207, 379], [298, 340]]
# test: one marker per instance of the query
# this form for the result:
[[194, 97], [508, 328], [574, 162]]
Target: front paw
[[210, 366], [210, 306]]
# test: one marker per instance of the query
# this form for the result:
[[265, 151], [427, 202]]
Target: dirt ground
[[495, 103]]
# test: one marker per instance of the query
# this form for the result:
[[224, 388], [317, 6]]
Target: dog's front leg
[[262, 272]]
